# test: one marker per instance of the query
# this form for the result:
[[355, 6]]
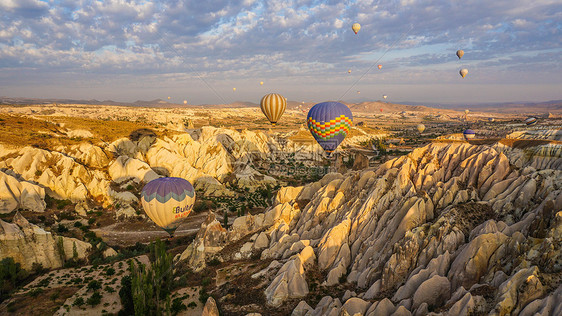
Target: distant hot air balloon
[[169, 98], [380, 66], [329, 123], [356, 27], [261, 83], [420, 128], [184, 101], [491, 119], [463, 72], [381, 110], [531, 121], [384, 96], [233, 89], [168, 201], [358, 91], [468, 134], [460, 53], [349, 71], [273, 105]]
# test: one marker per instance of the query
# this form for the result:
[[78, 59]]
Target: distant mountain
[[503, 107], [554, 106]]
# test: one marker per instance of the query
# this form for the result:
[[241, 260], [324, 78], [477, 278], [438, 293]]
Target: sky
[[200, 50]]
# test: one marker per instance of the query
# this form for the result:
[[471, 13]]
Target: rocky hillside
[[208, 157], [450, 229]]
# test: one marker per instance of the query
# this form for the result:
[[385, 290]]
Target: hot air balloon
[[463, 72], [273, 105], [356, 27], [384, 96], [169, 98], [531, 121], [329, 123], [460, 53], [233, 89], [358, 92], [468, 134], [349, 71], [380, 66], [420, 128], [261, 83], [381, 110], [168, 201], [184, 101], [491, 119]]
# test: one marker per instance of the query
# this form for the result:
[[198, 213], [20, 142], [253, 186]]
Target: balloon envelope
[[184, 101], [349, 71], [273, 106], [329, 123], [460, 53], [531, 121], [420, 128], [233, 89], [380, 66], [463, 72], [261, 83], [356, 27], [384, 96], [469, 134], [168, 201]]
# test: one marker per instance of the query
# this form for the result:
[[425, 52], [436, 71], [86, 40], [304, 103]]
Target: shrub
[[95, 299], [110, 271], [79, 301], [62, 229], [178, 306], [35, 292], [94, 285]]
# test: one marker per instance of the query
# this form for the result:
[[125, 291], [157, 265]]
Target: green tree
[[150, 285], [74, 252], [60, 248]]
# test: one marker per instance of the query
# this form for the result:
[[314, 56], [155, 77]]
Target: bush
[[203, 295], [77, 224], [178, 306], [35, 292], [95, 299], [62, 229], [94, 285], [79, 301], [192, 305], [110, 271], [54, 296]]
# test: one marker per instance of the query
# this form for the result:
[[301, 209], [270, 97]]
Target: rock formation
[[28, 244], [451, 227]]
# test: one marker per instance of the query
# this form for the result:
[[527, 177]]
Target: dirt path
[[128, 234]]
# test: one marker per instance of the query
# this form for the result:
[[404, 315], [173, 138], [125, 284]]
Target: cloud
[[229, 39]]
